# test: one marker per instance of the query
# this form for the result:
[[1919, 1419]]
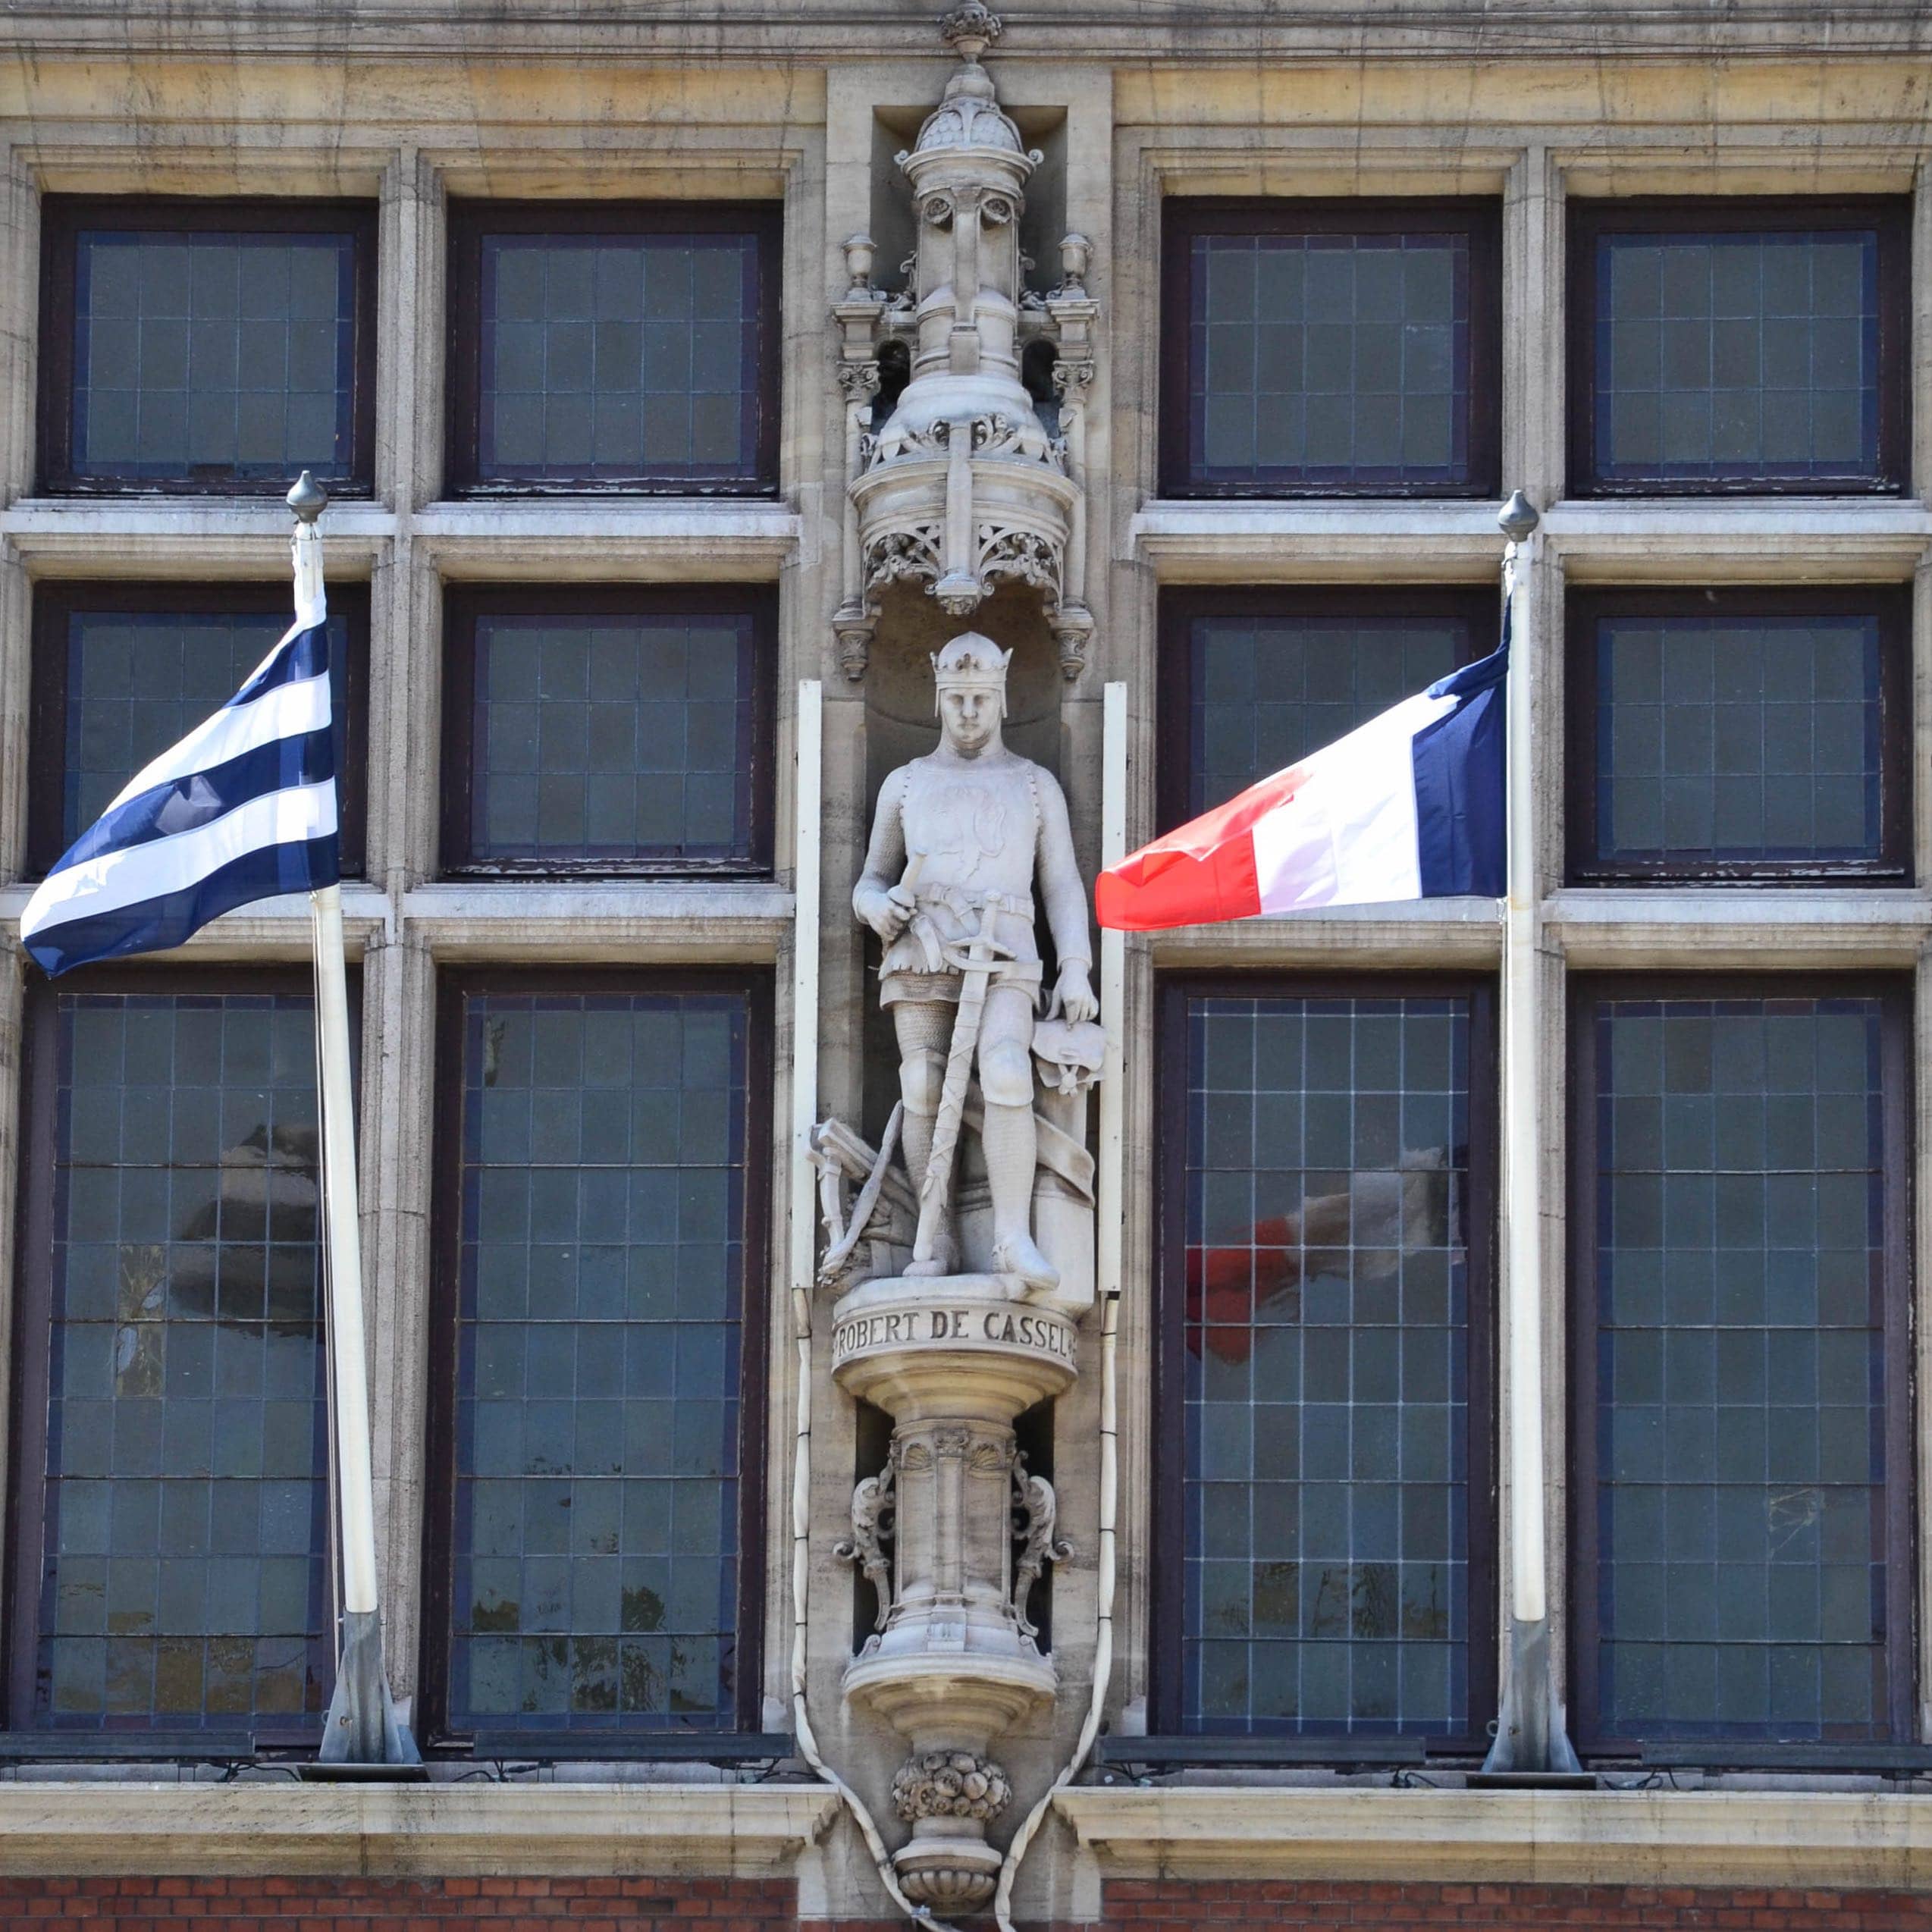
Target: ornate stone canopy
[[968, 482]]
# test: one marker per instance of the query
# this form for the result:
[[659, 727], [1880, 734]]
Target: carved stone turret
[[969, 482]]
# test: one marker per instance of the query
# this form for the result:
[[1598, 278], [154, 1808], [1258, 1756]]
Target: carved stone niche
[[964, 486]]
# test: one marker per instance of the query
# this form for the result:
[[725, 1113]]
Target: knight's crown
[[971, 662]]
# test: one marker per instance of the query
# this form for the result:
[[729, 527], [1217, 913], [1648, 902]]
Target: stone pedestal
[[954, 1664]]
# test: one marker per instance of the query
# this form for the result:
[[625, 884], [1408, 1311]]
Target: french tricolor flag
[[1408, 806]]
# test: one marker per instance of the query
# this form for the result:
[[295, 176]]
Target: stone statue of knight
[[962, 840]]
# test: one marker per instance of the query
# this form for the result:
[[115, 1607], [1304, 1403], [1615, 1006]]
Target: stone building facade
[[595, 324]]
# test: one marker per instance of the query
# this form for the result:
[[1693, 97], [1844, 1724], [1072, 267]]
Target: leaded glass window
[[219, 346], [1744, 344], [1258, 678], [1338, 347], [1324, 1295], [599, 1350], [122, 672], [632, 344], [610, 730], [173, 1551], [1752, 735], [1741, 1340]]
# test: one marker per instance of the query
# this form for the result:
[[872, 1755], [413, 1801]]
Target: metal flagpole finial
[[1518, 517], [308, 499]]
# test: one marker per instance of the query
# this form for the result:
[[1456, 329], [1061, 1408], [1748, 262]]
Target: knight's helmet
[[970, 663]]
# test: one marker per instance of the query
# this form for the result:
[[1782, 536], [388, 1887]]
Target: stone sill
[[654, 922], [1455, 540], [408, 1830], [1858, 1840], [272, 929], [609, 537]]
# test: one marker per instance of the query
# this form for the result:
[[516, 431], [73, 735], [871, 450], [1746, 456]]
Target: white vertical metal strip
[[1522, 1115], [804, 976], [1110, 1178]]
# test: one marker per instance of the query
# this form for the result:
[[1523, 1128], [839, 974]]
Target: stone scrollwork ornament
[[872, 1508], [1036, 1511]]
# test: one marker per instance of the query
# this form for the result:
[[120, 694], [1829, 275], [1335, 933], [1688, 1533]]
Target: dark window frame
[[1167, 1567], [64, 217], [1185, 216], [472, 220], [1586, 606], [1181, 605], [55, 602], [1587, 992], [1590, 218], [30, 1372], [454, 985], [464, 604]]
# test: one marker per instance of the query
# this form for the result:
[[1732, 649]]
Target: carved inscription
[[936, 1324]]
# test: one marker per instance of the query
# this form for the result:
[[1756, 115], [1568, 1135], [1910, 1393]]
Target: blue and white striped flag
[[242, 808]]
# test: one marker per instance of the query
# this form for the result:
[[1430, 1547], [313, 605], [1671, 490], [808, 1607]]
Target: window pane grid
[[1742, 739], [1326, 1555], [611, 357], [1264, 692], [1738, 356], [601, 1277], [613, 740], [211, 355], [1740, 1370], [184, 1583], [1327, 358], [138, 682]]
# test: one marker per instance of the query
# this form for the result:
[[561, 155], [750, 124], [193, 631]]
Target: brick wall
[[1132, 1904], [387, 1905], [719, 1905]]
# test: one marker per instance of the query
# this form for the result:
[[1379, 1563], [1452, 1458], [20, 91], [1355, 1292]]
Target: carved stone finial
[[860, 250], [1076, 256], [970, 30]]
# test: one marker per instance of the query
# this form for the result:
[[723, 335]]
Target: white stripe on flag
[[289, 710], [1347, 837], [136, 874]]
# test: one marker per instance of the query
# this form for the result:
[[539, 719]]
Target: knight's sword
[[975, 959]]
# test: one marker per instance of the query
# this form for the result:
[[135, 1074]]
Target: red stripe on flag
[[1155, 888], [1201, 874]]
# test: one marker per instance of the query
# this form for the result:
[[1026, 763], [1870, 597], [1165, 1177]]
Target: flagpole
[[363, 1727], [1531, 1740]]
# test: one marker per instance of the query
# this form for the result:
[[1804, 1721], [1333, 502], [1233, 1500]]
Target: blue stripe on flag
[[205, 796], [155, 925], [156, 867], [306, 655], [1461, 813]]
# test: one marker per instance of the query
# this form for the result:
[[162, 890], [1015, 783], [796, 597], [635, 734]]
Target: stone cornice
[[1100, 29], [1771, 1838], [404, 1830]]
